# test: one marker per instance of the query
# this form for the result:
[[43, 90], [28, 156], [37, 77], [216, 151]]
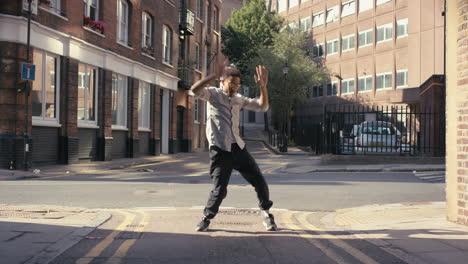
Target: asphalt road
[[184, 182]]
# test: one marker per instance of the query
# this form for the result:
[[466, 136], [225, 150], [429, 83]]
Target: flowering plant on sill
[[97, 26], [147, 49]]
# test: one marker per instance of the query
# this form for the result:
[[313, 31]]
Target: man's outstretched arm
[[201, 84]]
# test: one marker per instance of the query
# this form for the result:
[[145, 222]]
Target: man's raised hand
[[261, 78]]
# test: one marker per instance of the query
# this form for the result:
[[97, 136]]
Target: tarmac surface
[[402, 233]]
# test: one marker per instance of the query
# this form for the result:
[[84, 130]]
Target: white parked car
[[372, 137]]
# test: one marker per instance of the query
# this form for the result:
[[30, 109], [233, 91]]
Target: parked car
[[371, 137]]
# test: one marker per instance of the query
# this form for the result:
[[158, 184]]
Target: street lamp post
[[284, 136]]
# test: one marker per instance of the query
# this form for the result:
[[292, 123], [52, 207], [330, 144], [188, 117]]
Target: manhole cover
[[239, 212]]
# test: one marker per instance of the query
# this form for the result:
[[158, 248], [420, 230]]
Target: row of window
[[365, 83], [91, 10], [347, 7], [365, 38], [46, 94], [207, 14]]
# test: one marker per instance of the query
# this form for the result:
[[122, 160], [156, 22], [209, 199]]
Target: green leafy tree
[[247, 31], [287, 89]]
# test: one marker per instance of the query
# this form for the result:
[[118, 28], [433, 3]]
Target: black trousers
[[221, 165]]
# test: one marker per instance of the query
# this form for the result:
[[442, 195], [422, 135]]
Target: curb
[[56, 249]]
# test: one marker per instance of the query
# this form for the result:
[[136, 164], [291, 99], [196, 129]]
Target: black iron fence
[[355, 129]]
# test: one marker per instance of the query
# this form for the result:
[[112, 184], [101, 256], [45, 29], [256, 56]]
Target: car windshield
[[377, 129]]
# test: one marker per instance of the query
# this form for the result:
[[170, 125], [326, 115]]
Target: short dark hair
[[232, 72]]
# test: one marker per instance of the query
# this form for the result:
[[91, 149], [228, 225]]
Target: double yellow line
[[122, 250], [316, 240]]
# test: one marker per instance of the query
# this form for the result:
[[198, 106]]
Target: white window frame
[[293, 3], [144, 107], [122, 22], [43, 120], [123, 105], [145, 16], [87, 12], [363, 7], [92, 123], [348, 38], [337, 47], [199, 14], [402, 22], [307, 25], [282, 5], [320, 17], [347, 81], [166, 45], [292, 27], [385, 87], [405, 71], [349, 3], [365, 35], [365, 77], [380, 2], [205, 111], [385, 27], [319, 88], [196, 111], [332, 84], [55, 6], [318, 50], [334, 15]]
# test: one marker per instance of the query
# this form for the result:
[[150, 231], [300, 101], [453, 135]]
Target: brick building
[[110, 80], [377, 51], [200, 51], [457, 110]]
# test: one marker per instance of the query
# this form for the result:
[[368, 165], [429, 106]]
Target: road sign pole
[[26, 94]]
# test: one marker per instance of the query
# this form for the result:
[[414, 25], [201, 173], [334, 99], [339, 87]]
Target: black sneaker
[[269, 223], [203, 225]]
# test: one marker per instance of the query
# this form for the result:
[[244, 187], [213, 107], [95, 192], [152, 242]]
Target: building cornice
[[14, 29]]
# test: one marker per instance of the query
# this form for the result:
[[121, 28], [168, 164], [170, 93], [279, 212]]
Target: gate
[[373, 130]]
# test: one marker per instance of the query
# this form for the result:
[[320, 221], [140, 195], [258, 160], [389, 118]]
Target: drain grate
[[239, 212]]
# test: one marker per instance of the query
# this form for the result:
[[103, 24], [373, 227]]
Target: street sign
[[28, 71], [33, 6]]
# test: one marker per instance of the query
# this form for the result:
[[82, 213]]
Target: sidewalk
[[416, 233], [38, 234]]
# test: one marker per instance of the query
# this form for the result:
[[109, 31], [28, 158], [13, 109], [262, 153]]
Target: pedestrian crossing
[[432, 177]]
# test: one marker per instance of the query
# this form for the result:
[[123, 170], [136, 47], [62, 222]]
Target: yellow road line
[[336, 241], [99, 248], [269, 171], [123, 249], [287, 218]]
